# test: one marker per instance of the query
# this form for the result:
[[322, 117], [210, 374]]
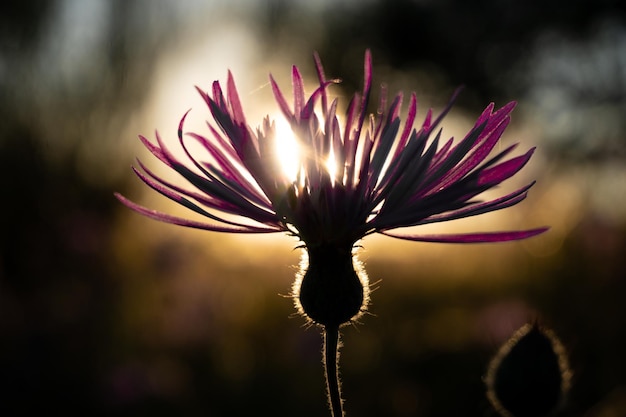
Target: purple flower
[[356, 176], [388, 174]]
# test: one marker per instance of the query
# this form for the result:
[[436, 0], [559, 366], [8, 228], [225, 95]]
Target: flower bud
[[328, 290], [530, 376]]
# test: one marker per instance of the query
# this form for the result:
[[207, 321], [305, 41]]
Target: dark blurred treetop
[[21, 22], [471, 42]]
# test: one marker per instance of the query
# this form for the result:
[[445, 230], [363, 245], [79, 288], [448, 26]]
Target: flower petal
[[156, 215], [486, 237]]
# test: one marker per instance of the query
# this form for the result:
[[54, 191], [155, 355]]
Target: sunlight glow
[[290, 154], [287, 149], [331, 166]]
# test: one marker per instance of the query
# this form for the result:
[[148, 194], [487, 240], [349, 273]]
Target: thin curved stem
[[331, 359]]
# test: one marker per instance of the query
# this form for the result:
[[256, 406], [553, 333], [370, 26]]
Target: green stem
[[331, 359]]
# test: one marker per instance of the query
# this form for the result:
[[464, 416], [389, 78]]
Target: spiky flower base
[[331, 288]]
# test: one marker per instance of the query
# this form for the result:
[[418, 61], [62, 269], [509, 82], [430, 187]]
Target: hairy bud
[[331, 288], [530, 376]]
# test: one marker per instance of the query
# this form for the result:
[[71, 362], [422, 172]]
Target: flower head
[[362, 175], [387, 174]]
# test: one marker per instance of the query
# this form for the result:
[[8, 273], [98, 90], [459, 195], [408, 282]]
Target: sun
[[287, 149], [290, 153]]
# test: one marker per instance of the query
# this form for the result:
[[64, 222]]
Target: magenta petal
[[322, 78], [486, 237], [410, 119], [280, 99], [153, 214], [234, 102], [499, 115], [241, 208], [298, 91], [218, 95], [477, 156], [367, 87], [504, 170], [155, 150], [485, 115]]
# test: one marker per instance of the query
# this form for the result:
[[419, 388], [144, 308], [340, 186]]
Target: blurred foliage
[[105, 313]]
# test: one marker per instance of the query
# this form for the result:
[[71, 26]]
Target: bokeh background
[[106, 313]]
